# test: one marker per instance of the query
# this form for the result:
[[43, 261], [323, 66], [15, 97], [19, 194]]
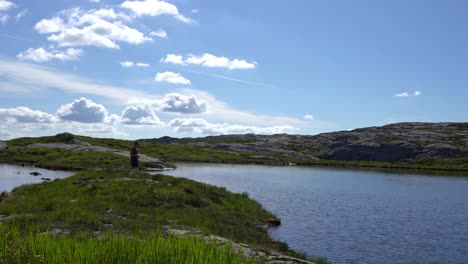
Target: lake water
[[353, 216], [12, 176]]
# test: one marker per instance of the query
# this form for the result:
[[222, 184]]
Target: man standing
[[134, 155]]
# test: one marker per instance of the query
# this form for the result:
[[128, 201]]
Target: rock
[[35, 173], [45, 179], [273, 222], [399, 142], [3, 145], [78, 181]]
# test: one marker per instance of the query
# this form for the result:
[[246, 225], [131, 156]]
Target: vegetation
[[180, 152], [62, 159], [133, 201], [122, 205], [36, 247]]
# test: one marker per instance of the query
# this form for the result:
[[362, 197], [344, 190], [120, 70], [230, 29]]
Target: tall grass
[[153, 247]]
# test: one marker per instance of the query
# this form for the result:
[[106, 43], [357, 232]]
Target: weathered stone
[[391, 143]]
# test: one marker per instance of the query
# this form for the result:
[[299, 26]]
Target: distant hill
[[399, 142]]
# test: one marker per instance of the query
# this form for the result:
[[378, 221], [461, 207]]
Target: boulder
[[3, 145]]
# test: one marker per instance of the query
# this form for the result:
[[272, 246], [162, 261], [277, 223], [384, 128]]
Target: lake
[[12, 176], [347, 216], [351, 216]]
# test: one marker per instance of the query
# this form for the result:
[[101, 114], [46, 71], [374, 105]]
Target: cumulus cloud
[[84, 111], [41, 55], [5, 5], [184, 104], [139, 115], [200, 125], [171, 77], [99, 28], [174, 59], [127, 64], [308, 117], [209, 60], [25, 115], [406, 94], [160, 33], [154, 8]]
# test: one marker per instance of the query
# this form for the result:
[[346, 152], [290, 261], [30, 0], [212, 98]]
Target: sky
[[192, 68]]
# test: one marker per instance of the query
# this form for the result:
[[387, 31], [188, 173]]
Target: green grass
[[139, 202], [62, 159], [153, 247], [180, 152]]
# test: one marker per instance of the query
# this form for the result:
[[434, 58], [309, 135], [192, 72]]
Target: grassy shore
[[36, 247], [175, 153], [128, 208]]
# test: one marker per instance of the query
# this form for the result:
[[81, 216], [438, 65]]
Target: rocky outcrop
[[3, 145], [392, 143]]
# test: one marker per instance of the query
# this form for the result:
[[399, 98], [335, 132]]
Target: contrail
[[221, 77]]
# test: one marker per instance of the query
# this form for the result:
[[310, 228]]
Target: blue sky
[[149, 68]]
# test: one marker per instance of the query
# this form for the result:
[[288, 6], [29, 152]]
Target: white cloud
[[33, 77], [45, 26], [184, 104], [139, 115], [41, 55], [160, 33], [21, 14], [94, 1], [5, 5], [4, 18], [141, 64], [200, 125], [154, 8], [406, 94], [172, 58], [308, 117], [24, 114], [209, 60], [220, 112], [99, 28], [84, 111], [195, 11], [127, 64], [171, 77]]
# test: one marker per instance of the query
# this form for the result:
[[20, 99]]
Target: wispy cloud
[[128, 64], [406, 94], [222, 77], [32, 77]]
